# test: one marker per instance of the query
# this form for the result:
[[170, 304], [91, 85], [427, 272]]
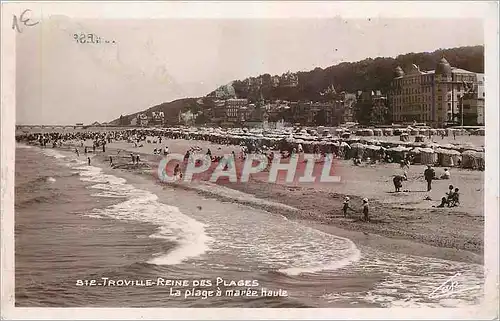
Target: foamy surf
[[144, 206], [354, 255]]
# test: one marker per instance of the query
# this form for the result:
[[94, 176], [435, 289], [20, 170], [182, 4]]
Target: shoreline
[[315, 210]]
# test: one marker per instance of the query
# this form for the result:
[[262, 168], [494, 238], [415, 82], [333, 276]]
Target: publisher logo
[[302, 169]]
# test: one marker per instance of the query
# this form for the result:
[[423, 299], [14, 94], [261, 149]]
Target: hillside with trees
[[315, 85]]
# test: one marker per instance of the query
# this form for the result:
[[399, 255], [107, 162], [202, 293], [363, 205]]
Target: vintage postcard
[[249, 160]]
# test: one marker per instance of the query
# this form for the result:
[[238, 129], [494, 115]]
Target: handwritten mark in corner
[[449, 287], [24, 19]]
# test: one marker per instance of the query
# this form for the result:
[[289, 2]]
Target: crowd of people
[[268, 147]]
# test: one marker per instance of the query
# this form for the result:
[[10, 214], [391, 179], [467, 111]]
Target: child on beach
[[366, 210], [455, 201], [443, 202], [346, 206], [449, 195]]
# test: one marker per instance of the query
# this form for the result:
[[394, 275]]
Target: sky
[[60, 81]]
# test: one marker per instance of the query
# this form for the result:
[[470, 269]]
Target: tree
[[363, 111], [320, 118]]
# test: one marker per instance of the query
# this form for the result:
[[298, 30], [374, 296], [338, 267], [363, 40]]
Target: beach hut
[[345, 135], [404, 137], [377, 132], [448, 157], [473, 159], [419, 139], [428, 156], [397, 153], [357, 150], [373, 151], [388, 132]]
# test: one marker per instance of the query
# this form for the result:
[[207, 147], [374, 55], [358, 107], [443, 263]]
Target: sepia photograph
[[249, 158]]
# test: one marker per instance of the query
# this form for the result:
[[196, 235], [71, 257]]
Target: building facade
[[232, 107], [434, 97]]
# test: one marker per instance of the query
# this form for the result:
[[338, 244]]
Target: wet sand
[[401, 222]]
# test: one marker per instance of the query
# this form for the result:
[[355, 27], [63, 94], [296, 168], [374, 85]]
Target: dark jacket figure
[[88, 159], [429, 175], [85, 149], [366, 210], [110, 160], [345, 207], [209, 152], [77, 152]]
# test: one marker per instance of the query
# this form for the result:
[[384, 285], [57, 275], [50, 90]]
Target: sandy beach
[[401, 222]]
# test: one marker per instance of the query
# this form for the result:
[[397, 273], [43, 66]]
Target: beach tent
[[424, 156], [388, 132], [397, 153], [472, 159], [419, 139], [404, 137], [447, 157], [357, 150]]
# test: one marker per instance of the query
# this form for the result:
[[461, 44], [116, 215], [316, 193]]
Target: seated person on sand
[[446, 174], [443, 202]]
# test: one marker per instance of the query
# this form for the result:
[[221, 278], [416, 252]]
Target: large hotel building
[[437, 97]]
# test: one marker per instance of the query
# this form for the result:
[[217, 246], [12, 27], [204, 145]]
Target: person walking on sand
[[88, 160], [165, 151], [429, 175], [110, 160], [366, 210], [77, 152], [85, 150]]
